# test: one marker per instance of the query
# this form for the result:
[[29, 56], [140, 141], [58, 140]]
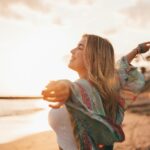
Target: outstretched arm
[[141, 48]]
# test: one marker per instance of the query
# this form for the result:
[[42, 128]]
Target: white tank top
[[60, 122]]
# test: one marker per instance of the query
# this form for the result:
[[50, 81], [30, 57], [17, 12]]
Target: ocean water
[[10, 107], [20, 118]]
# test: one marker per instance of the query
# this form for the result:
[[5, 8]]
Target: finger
[[56, 105], [51, 83], [58, 86], [55, 89], [56, 92], [55, 99], [45, 93], [53, 94], [59, 99], [49, 99], [60, 93], [51, 87], [49, 93], [147, 42]]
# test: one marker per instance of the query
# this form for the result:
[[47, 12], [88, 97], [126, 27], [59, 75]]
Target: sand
[[136, 129], [137, 132], [40, 141]]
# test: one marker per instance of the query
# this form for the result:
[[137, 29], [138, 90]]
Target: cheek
[[80, 61]]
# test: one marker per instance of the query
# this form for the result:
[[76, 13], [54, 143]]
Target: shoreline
[[135, 127], [20, 97], [19, 125]]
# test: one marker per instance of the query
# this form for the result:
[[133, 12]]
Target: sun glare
[[39, 57]]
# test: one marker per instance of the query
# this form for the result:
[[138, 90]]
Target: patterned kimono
[[86, 110]]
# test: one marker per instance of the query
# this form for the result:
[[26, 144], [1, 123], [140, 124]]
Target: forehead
[[82, 42]]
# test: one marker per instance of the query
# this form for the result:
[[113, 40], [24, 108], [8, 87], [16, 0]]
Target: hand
[[143, 47], [57, 91]]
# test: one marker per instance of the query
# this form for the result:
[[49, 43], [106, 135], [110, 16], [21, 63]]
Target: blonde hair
[[100, 65]]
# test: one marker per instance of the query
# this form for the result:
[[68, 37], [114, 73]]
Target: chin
[[71, 66]]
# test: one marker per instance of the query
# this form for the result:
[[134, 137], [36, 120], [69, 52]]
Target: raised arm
[[141, 48]]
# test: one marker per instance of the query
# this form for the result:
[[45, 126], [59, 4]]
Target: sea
[[22, 117]]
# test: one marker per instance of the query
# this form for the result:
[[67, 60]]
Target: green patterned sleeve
[[131, 82]]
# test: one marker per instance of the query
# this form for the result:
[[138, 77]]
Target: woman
[[91, 109]]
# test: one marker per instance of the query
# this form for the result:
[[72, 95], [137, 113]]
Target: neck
[[82, 75]]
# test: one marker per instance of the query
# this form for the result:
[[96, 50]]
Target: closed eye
[[80, 47]]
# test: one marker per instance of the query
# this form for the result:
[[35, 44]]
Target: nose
[[73, 50]]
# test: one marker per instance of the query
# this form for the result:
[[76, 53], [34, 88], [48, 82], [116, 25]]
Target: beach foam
[[21, 118]]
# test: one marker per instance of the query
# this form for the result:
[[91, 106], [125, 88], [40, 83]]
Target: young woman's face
[[77, 60]]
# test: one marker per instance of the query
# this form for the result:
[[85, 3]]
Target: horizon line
[[21, 97]]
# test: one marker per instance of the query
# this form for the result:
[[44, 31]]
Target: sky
[[36, 37]]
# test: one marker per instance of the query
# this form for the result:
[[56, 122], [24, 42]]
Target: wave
[[11, 107], [20, 112]]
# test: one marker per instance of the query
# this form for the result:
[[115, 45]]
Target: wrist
[[137, 50], [141, 48]]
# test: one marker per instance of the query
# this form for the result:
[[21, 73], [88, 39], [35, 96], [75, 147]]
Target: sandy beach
[[32, 132], [39, 141], [136, 129]]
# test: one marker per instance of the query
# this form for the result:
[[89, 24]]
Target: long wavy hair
[[100, 65]]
